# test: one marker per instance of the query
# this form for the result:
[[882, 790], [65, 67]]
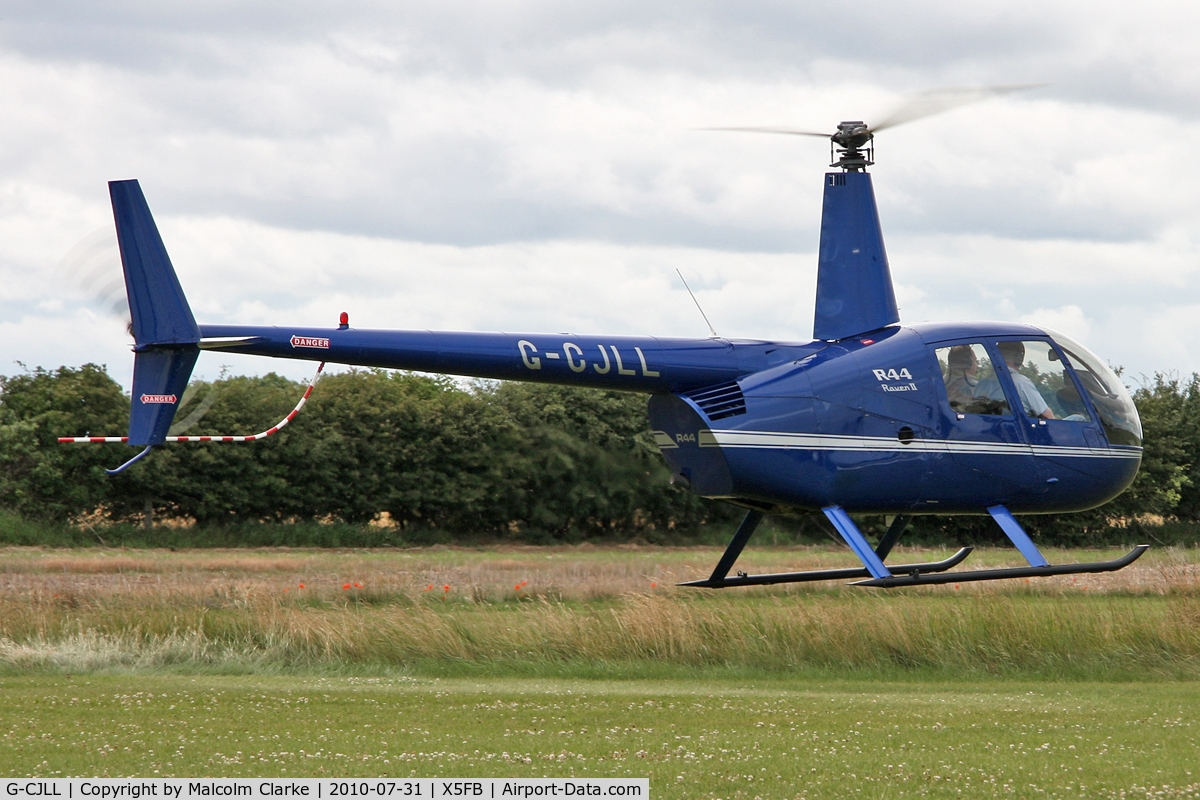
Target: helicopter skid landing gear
[[1038, 565], [880, 575], [719, 579]]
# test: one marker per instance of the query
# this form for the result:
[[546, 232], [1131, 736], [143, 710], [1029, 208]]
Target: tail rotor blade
[[92, 269]]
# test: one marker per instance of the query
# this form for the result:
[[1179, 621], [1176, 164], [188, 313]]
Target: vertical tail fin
[[164, 330], [854, 283], [156, 302]]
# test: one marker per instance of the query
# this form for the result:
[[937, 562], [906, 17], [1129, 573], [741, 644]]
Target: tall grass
[[124, 610], [998, 636]]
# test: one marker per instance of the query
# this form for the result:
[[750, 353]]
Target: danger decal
[[158, 398], [310, 341]]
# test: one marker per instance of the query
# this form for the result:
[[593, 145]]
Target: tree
[[583, 462], [40, 478], [415, 446], [219, 482]]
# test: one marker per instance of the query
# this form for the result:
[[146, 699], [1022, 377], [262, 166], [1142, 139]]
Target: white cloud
[[465, 166], [1066, 319], [235, 271]]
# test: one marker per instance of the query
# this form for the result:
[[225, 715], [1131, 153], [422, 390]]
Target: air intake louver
[[720, 401]]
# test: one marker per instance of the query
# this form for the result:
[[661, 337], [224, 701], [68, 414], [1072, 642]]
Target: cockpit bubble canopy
[[1117, 412]]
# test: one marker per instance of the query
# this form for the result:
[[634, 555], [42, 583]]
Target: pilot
[[1014, 356], [962, 377]]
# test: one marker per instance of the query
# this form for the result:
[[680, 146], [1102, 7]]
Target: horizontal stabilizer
[[854, 283]]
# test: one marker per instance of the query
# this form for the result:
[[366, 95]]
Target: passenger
[[1014, 356], [962, 377]]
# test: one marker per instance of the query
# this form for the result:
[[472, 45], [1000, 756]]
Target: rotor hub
[[850, 148]]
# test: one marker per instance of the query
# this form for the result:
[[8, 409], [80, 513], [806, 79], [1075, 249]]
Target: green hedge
[[441, 461], [518, 460]]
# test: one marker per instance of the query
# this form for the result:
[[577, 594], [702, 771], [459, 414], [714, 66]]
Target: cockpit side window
[[1042, 381], [967, 374]]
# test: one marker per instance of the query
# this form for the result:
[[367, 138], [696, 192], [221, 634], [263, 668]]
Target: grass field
[[583, 661], [702, 738]]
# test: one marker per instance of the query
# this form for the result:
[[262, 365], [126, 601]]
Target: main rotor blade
[[789, 131], [935, 101]]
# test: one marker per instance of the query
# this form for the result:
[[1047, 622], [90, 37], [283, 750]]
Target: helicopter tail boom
[[645, 364]]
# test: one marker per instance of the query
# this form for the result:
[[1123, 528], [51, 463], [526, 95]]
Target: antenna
[[711, 329]]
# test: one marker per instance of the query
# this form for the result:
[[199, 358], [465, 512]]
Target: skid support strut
[[720, 575], [743, 534], [1017, 535], [858, 543], [899, 526]]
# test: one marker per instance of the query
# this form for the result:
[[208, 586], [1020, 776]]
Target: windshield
[[1111, 398]]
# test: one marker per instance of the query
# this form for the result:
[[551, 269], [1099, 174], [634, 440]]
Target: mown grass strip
[[694, 737]]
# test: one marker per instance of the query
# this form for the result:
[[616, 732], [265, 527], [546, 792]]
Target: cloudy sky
[[534, 166]]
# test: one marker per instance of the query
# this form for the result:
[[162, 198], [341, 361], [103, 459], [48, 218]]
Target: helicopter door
[[1055, 418], [978, 424]]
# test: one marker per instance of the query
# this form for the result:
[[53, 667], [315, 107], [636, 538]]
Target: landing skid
[[829, 574], [881, 575], [720, 580], [916, 577]]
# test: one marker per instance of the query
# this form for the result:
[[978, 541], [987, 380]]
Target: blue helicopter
[[869, 417]]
